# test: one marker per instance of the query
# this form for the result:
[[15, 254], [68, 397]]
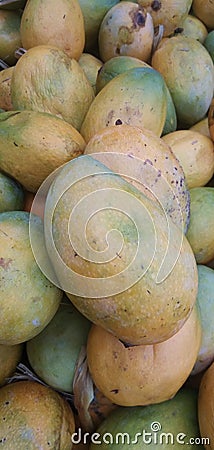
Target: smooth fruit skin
[[93, 13], [195, 153], [28, 299], [147, 311], [136, 97], [132, 427], [143, 374], [53, 354], [5, 95], [205, 302], [204, 10], [188, 71], [91, 66], [194, 28], [37, 415], [53, 22], [11, 194], [206, 407], [10, 38], [33, 144], [200, 233], [10, 356]]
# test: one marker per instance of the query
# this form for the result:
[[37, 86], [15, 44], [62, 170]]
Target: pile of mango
[[106, 224]]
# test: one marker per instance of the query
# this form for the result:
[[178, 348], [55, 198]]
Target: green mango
[[11, 194], [169, 424], [54, 352]]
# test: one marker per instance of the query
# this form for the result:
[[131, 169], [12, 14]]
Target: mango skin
[[195, 153], [10, 38], [5, 82], [38, 416], [10, 356], [54, 352], [145, 145], [11, 194], [133, 376], [46, 79], [205, 302], [188, 71], [28, 300], [65, 25], [200, 233], [34, 144], [136, 97], [206, 406], [174, 415], [146, 312]]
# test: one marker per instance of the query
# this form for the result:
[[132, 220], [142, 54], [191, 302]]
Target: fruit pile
[[106, 224]]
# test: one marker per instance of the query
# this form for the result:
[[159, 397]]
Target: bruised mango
[[127, 29]]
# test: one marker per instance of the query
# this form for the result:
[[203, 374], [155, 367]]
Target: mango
[[188, 71], [54, 352], [204, 10], [93, 13], [10, 356], [205, 302], [195, 153], [169, 13], [46, 79], [59, 23], [139, 296], [127, 29], [206, 407], [28, 299], [200, 232], [169, 424], [11, 194], [165, 183], [131, 376], [34, 144], [5, 83], [38, 416], [10, 38], [136, 97]]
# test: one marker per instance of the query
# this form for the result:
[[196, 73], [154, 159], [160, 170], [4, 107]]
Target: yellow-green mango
[[28, 299], [107, 243], [169, 424], [53, 353], [200, 233], [205, 302], [136, 97], [188, 71], [34, 144], [11, 194]]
